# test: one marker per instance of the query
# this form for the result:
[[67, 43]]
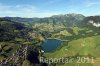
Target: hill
[[11, 30], [91, 22]]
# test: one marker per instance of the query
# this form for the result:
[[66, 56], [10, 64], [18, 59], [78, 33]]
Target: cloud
[[48, 2], [92, 4], [24, 11]]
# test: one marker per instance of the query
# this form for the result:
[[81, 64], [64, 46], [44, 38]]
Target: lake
[[51, 44]]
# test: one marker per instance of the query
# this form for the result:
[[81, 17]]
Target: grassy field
[[88, 46]]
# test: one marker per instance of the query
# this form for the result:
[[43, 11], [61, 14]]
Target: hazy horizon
[[48, 16]]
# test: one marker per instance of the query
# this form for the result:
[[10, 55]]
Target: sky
[[47, 8]]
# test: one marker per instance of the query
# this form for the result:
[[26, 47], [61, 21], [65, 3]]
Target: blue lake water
[[51, 44]]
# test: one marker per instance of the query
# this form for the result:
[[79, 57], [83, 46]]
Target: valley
[[59, 36]]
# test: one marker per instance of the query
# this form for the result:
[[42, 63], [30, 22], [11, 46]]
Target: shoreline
[[57, 39]]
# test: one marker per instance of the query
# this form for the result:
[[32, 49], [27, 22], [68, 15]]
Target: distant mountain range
[[68, 20], [20, 19]]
